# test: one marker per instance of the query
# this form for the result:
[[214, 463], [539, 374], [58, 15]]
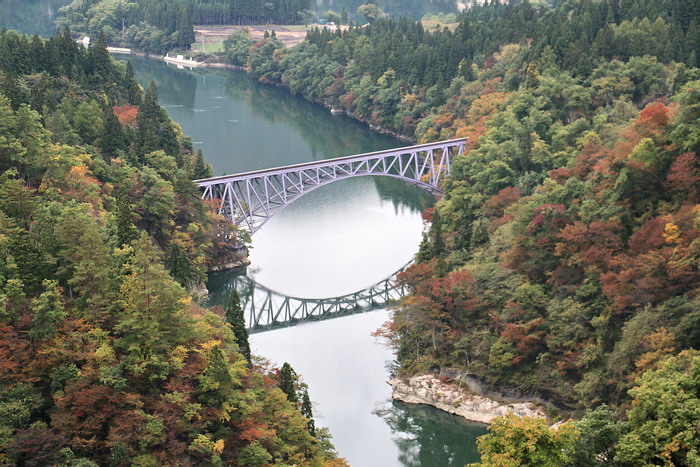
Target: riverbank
[[463, 401]]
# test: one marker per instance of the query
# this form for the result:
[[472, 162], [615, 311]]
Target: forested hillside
[[562, 261], [157, 26], [249, 11], [105, 359], [395, 74], [414, 9], [154, 26]]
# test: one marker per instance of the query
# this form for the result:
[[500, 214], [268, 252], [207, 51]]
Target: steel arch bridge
[[250, 199], [267, 309]]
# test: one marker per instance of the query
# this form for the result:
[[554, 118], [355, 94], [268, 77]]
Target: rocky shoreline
[[458, 400]]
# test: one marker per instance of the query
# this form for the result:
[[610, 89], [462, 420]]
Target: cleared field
[[211, 38], [431, 24]]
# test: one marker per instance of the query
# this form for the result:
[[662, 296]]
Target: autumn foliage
[[570, 287]]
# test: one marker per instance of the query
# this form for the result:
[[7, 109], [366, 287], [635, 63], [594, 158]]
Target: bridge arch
[[250, 199]]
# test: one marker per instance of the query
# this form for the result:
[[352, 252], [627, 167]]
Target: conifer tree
[[12, 89], [48, 312], [147, 120], [153, 127], [201, 168], [126, 230], [306, 409], [288, 383], [181, 268], [132, 86], [234, 316], [99, 63], [112, 135], [216, 384], [436, 235], [155, 317]]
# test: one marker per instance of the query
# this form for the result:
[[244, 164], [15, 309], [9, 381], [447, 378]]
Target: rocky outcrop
[[429, 390], [238, 263]]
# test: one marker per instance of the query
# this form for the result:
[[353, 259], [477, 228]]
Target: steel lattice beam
[[250, 199]]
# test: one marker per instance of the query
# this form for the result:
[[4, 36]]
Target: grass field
[[213, 36], [431, 21], [210, 39]]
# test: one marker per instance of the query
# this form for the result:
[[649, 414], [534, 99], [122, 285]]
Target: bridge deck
[[203, 182]]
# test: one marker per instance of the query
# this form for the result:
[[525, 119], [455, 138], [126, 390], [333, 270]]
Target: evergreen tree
[[48, 312], [112, 135], [132, 86], [99, 64], [436, 235], [181, 267], [12, 89], [288, 383], [126, 229], [306, 410], [201, 168], [185, 29], [155, 317], [234, 316], [425, 250], [148, 121], [153, 127], [216, 384]]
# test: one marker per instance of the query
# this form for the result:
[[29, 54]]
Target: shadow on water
[[30, 16], [403, 195], [244, 125], [327, 136], [174, 84], [427, 436]]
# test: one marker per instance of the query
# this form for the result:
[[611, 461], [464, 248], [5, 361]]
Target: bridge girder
[[250, 199]]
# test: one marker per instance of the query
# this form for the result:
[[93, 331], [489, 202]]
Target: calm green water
[[30, 16], [335, 240]]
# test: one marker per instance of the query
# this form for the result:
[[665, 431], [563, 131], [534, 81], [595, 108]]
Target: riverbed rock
[[451, 398], [239, 263]]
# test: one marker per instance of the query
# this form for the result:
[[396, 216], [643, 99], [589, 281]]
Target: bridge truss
[[250, 199], [266, 309]]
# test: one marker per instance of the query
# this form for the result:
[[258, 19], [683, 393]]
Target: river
[[337, 239]]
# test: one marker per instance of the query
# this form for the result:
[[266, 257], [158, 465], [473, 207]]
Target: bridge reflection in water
[[267, 309]]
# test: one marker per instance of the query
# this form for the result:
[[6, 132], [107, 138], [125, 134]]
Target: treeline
[[105, 359], [393, 73], [154, 26], [249, 11], [414, 9]]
